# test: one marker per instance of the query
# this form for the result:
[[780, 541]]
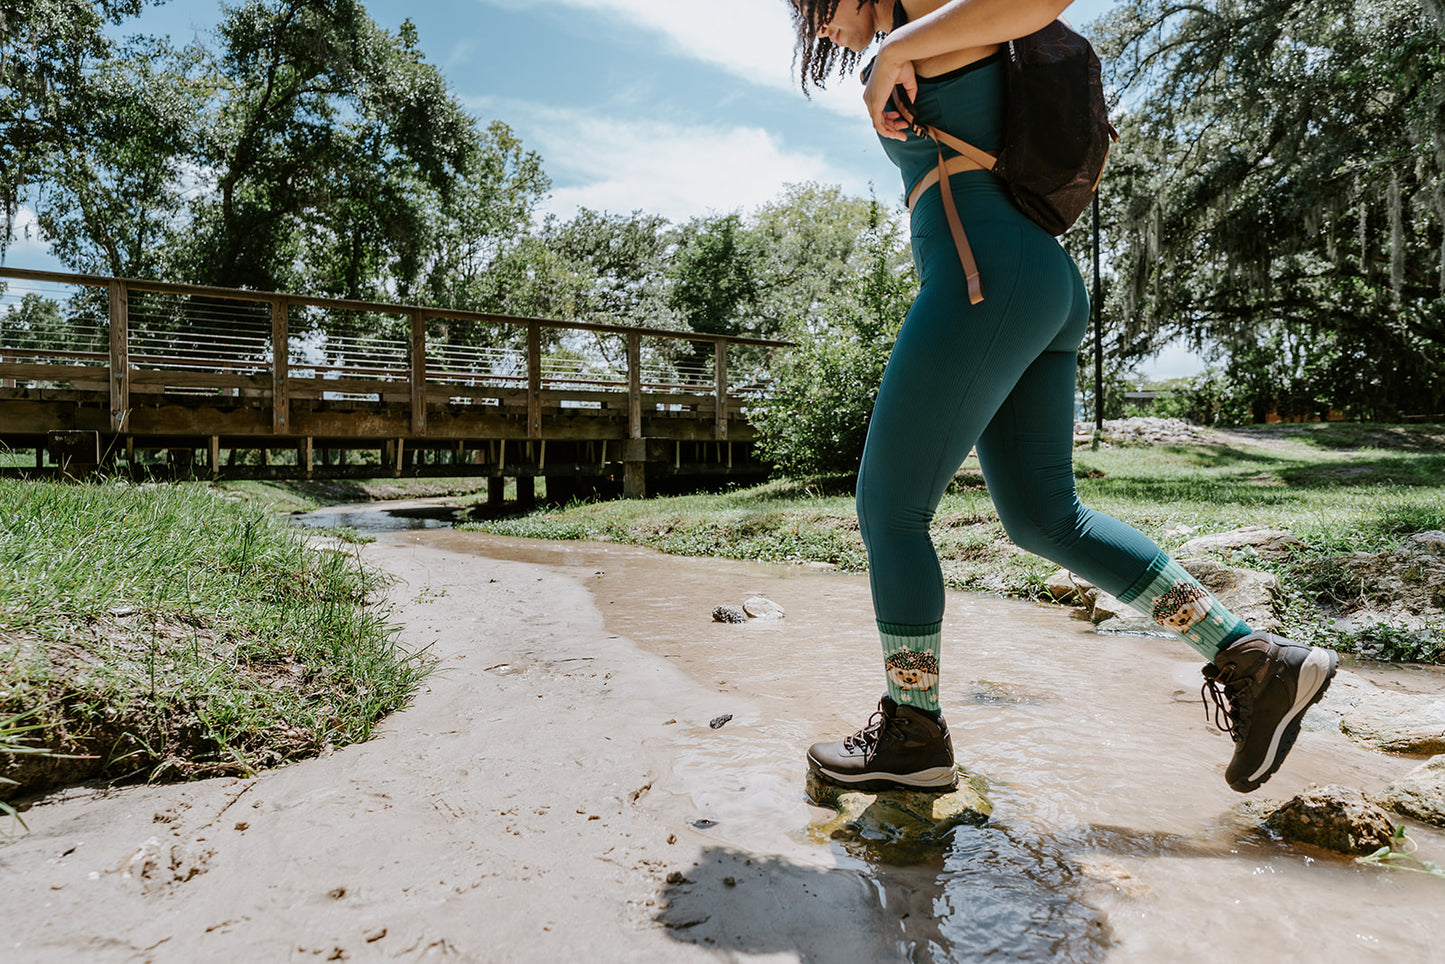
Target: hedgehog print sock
[[910, 658], [1176, 601]]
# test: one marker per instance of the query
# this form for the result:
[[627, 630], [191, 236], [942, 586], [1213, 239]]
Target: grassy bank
[[1338, 487], [162, 631]]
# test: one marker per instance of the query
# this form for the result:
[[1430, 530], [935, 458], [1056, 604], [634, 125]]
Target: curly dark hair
[[819, 55]]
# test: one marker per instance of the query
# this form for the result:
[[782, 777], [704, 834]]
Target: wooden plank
[[720, 389], [54, 373], [280, 359], [146, 376], [348, 386], [418, 373], [119, 356], [534, 380]]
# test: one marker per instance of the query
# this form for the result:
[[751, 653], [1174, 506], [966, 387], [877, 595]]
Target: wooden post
[[214, 457], [400, 446], [634, 385], [720, 371], [308, 455], [534, 380], [634, 467], [280, 362], [119, 357], [418, 373]]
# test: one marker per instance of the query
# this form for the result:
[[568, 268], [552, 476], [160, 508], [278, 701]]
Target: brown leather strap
[[970, 159], [960, 239], [953, 165]]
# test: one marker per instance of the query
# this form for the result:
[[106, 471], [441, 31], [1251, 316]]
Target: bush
[[815, 420]]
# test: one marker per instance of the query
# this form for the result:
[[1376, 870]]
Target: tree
[[109, 196], [1279, 177], [815, 419], [47, 51], [325, 136]]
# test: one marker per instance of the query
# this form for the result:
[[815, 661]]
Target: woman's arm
[[956, 25]]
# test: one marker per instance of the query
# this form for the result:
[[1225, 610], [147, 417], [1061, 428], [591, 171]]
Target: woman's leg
[[1266, 681], [953, 365], [1027, 458]]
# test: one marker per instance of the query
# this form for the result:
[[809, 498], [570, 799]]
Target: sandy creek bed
[[556, 793]]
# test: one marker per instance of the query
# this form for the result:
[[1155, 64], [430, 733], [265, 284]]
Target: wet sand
[[556, 792]]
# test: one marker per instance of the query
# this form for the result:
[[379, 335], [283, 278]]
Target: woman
[[998, 373]]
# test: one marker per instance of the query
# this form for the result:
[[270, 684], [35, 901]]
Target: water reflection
[[371, 519]]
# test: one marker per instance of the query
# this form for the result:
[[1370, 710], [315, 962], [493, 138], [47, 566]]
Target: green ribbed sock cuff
[[1178, 602], [910, 661]]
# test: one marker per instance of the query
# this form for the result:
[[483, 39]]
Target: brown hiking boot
[[901, 748], [1268, 682]]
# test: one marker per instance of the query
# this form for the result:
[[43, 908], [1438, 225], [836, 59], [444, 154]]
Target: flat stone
[[761, 607], [1109, 615], [1419, 793], [890, 816], [1265, 542], [729, 614], [1334, 817], [1397, 722], [1065, 587]]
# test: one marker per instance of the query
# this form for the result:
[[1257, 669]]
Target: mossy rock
[[899, 815]]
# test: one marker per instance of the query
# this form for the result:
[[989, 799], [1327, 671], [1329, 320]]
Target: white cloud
[[618, 164], [27, 244], [751, 39]]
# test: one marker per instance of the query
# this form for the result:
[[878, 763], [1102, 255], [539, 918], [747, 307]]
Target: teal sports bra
[[967, 103]]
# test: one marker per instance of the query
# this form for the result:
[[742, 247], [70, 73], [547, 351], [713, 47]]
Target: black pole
[[1098, 329]]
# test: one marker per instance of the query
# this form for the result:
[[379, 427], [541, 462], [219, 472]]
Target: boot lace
[[1230, 711], [867, 739]]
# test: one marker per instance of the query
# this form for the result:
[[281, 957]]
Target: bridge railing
[[133, 337]]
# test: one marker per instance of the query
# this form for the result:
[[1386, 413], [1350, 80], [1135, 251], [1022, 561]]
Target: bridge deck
[[148, 377]]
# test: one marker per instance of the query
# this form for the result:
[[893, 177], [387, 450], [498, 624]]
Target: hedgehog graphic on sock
[[912, 670], [1181, 606]]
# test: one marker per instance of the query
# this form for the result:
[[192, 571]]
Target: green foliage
[[203, 628], [1399, 854], [715, 275], [815, 420], [1248, 220]]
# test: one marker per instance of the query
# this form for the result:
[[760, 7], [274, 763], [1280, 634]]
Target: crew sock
[[1178, 602], [910, 661]]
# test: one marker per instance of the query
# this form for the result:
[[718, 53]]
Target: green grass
[[1339, 487], [174, 631]]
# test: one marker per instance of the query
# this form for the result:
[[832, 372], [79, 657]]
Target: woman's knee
[[1043, 531]]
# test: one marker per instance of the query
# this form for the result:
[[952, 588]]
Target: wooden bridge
[[151, 379]]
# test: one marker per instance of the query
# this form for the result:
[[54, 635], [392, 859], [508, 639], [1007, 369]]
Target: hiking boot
[[901, 748], [1267, 683]]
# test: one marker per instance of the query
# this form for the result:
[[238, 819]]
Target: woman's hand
[[887, 72]]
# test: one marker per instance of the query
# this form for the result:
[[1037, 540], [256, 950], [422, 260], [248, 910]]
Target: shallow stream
[[1113, 836]]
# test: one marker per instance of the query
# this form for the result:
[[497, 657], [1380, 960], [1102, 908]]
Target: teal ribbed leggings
[[999, 375]]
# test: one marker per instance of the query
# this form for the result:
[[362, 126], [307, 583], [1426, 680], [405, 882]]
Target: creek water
[[1113, 835]]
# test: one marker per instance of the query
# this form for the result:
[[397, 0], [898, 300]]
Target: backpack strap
[[970, 159]]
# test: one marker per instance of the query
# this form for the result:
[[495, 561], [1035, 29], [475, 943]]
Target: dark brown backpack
[[1056, 137], [1056, 129]]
